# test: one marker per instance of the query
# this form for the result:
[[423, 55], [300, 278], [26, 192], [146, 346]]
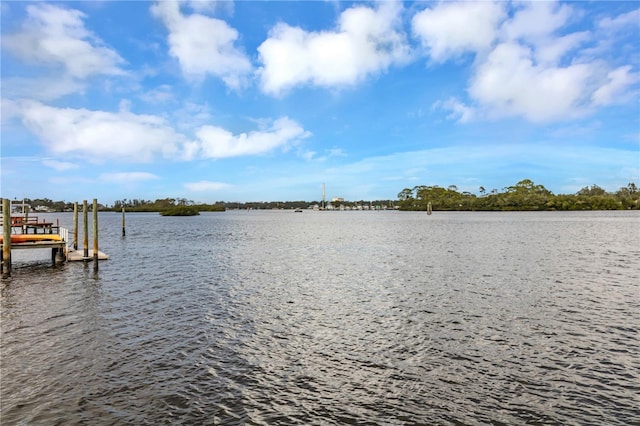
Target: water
[[331, 318]]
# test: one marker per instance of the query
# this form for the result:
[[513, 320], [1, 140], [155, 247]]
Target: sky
[[267, 101]]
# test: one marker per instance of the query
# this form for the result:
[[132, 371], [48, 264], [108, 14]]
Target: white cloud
[[367, 41], [459, 111], [621, 22], [56, 36], [216, 142], [525, 65], [99, 135], [203, 45], [328, 154], [536, 20], [510, 84], [9, 111], [161, 94], [59, 166], [451, 29], [127, 177], [552, 50], [205, 185], [202, 5], [42, 89], [614, 89]]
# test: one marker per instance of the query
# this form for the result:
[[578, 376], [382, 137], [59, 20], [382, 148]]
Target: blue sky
[[266, 101]]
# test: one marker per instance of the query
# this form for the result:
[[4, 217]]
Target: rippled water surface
[[331, 318]]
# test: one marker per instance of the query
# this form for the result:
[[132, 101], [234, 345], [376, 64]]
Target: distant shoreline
[[523, 196]]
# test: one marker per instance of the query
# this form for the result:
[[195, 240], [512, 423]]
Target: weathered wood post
[[75, 225], [95, 234], [6, 237], [429, 208], [25, 223], [85, 240], [123, 231], [60, 253], [60, 257]]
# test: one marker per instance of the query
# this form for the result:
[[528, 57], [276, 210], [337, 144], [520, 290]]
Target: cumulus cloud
[[123, 135], [205, 185], [458, 110], [526, 63], [216, 142], [551, 51], [451, 29], [366, 41], [614, 89], [509, 83], [100, 135], [203, 45], [536, 20], [55, 36]]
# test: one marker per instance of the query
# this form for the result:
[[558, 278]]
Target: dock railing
[[64, 234]]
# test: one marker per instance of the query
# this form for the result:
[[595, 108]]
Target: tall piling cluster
[[86, 254]]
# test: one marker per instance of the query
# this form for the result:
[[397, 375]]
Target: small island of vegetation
[[180, 211]]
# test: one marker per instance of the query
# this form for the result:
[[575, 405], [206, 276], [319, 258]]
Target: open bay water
[[275, 317]]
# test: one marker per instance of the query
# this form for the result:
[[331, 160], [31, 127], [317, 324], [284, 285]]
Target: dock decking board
[[38, 244], [78, 255]]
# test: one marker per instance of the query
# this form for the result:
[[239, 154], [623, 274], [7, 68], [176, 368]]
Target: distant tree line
[[524, 195], [164, 204]]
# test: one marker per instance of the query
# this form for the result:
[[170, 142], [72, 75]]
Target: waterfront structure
[[19, 232]]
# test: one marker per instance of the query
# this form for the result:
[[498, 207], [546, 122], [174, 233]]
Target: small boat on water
[[31, 238], [298, 210]]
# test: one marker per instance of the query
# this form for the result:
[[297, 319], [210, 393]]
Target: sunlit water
[[331, 318]]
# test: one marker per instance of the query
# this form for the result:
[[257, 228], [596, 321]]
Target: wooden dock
[[35, 234]]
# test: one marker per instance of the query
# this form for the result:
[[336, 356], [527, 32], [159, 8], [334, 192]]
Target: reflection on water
[[331, 318]]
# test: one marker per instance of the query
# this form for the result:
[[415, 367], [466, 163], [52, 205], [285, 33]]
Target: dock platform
[[24, 232], [38, 244], [78, 256]]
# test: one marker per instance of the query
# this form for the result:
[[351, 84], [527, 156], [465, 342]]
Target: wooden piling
[[429, 208], [85, 241], [75, 225], [6, 235], [54, 256], [25, 221], [123, 228], [95, 234]]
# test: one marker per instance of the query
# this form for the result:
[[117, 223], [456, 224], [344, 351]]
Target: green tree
[[592, 191]]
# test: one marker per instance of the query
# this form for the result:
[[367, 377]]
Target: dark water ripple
[[331, 318]]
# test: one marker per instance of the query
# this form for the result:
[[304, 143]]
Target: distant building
[[337, 200], [43, 209]]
